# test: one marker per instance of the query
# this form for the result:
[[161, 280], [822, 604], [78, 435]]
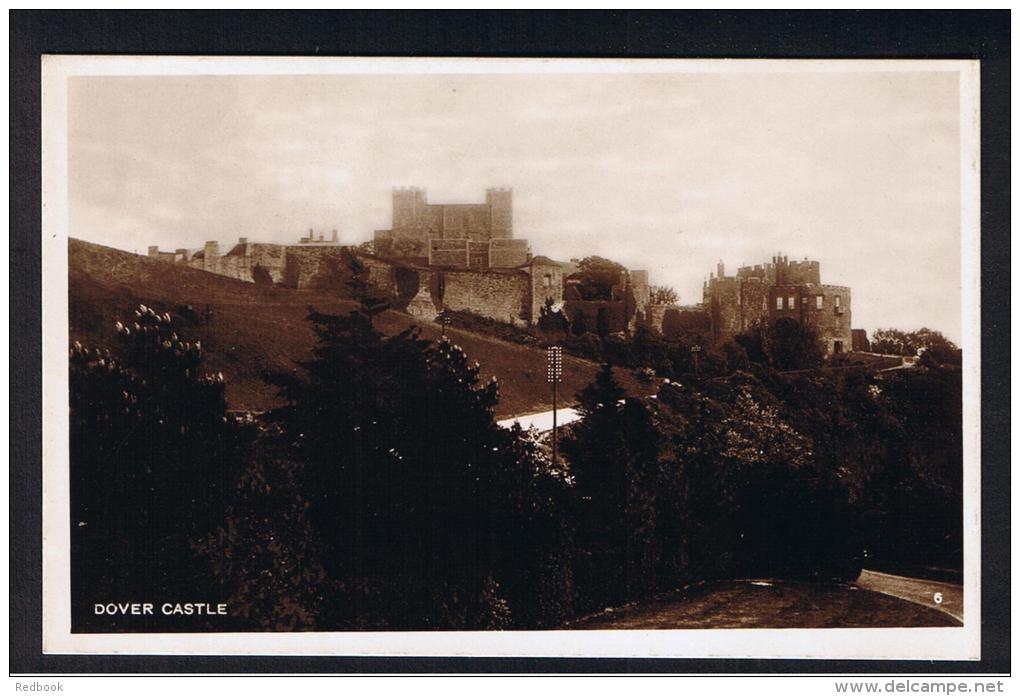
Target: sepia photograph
[[511, 357]]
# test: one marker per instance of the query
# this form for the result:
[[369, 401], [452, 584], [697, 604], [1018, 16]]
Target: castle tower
[[211, 257], [501, 219], [408, 207]]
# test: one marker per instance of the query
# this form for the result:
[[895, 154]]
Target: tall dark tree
[[612, 452], [417, 493], [154, 461]]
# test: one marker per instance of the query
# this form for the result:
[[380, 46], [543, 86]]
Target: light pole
[[695, 350], [554, 374]]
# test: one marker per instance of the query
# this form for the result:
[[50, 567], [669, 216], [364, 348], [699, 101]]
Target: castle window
[[818, 301], [779, 303], [791, 304], [547, 281], [837, 300]]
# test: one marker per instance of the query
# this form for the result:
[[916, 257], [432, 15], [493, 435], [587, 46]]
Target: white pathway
[[543, 421]]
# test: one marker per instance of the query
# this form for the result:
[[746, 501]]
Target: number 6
[[938, 598]]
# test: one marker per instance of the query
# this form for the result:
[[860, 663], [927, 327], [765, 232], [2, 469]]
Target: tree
[[741, 493], [154, 462], [784, 344], [893, 342], [612, 452], [940, 349], [597, 277], [662, 294], [420, 498]]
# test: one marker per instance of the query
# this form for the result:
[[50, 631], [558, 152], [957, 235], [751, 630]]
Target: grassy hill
[[252, 329]]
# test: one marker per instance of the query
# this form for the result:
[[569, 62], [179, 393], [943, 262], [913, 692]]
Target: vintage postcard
[[653, 358]]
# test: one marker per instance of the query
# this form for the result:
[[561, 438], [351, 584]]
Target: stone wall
[[500, 295], [722, 297], [859, 340], [798, 272], [508, 253], [314, 267], [424, 304], [478, 254], [271, 257], [833, 320], [546, 286], [754, 303], [448, 252], [641, 288]]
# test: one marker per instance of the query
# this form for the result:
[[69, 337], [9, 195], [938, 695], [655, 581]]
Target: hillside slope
[[248, 330]]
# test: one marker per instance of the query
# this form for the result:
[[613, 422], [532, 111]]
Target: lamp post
[[554, 375], [695, 350]]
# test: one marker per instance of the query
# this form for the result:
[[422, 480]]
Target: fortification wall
[[833, 320], [687, 322], [754, 303], [448, 252], [501, 218], [478, 254], [500, 295], [722, 297], [424, 304], [764, 272], [546, 286], [654, 315], [469, 221], [859, 340], [271, 257], [799, 273], [641, 289], [313, 267], [825, 307], [381, 273], [508, 253]]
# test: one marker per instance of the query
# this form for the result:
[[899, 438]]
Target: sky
[[668, 172]]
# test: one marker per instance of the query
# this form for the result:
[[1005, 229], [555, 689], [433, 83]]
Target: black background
[[980, 35]]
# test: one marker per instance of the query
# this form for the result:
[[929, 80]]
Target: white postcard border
[[962, 643]]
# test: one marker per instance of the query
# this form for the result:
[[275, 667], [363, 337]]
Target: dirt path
[[916, 590]]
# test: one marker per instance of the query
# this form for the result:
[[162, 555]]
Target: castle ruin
[[780, 289]]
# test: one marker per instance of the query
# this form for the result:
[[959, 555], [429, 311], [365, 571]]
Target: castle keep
[[780, 289], [476, 235]]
